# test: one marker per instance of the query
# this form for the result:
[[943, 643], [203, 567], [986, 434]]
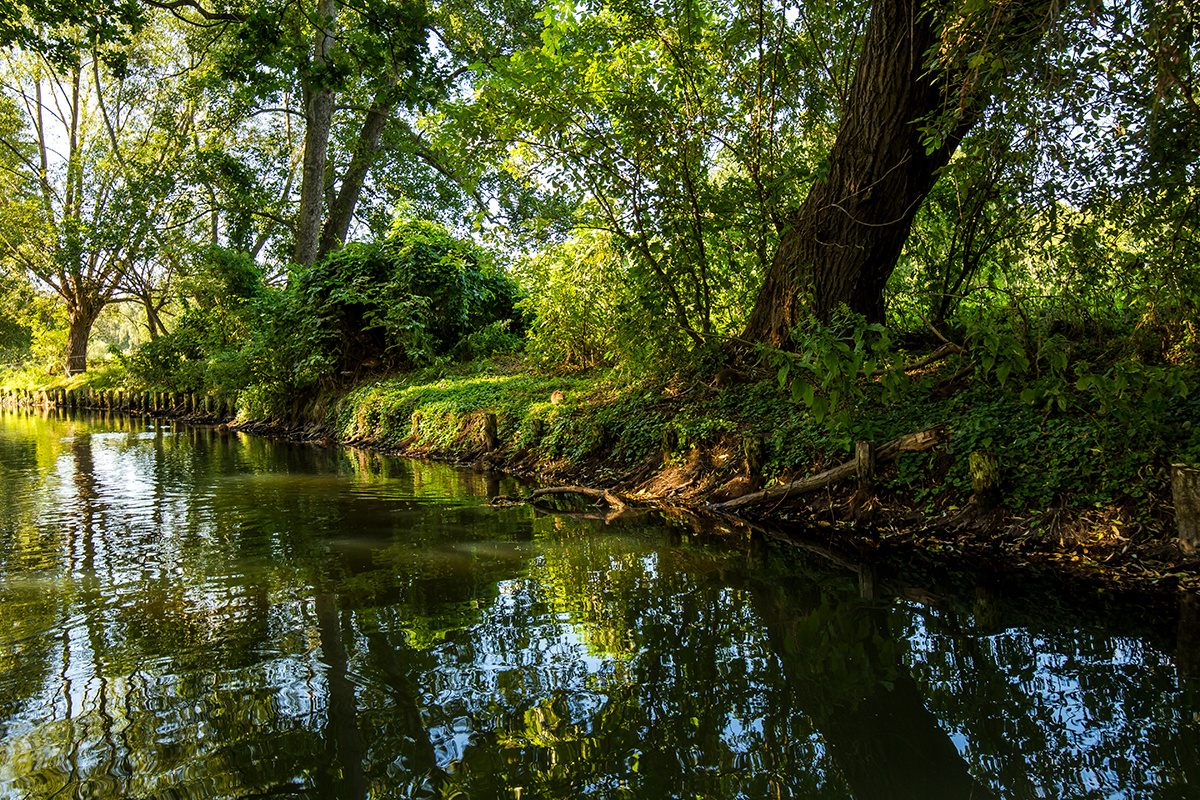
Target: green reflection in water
[[190, 614]]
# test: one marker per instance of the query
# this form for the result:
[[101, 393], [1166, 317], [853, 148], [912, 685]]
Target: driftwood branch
[[909, 443], [599, 495], [607, 517]]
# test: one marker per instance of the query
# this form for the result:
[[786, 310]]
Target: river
[[186, 613]]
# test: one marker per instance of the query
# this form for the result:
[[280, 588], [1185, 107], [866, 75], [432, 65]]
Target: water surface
[[189, 614]]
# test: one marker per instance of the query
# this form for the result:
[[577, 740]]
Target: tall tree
[[100, 151], [911, 102], [309, 95], [681, 129], [345, 70]]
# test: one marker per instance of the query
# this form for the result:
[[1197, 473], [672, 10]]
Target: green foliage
[[495, 338], [408, 299], [414, 298], [23, 315], [997, 353], [589, 308], [221, 298], [835, 365], [663, 127], [1067, 459], [171, 363]]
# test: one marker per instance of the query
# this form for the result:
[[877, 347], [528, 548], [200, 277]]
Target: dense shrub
[[401, 302], [218, 309], [590, 307], [416, 297]]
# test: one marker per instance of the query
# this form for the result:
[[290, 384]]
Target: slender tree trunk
[[843, 242], [341, 212], [318, 114], [154, 326]]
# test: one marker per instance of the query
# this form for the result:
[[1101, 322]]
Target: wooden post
[[1185, 489], [864, 463], [670, 441], [537, 428], [754, 449], [491, 432], [985, 477]]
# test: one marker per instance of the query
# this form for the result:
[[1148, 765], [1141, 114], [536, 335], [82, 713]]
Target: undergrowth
[[1089, 456]]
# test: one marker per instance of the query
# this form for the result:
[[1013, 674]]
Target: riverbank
[[1073, 493], [1080, 494]]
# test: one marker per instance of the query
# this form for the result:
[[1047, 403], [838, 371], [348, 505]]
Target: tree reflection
[[845, 666], [211, 615]]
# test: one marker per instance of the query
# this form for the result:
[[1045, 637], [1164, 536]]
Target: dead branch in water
[[613, 499], [909, 443]]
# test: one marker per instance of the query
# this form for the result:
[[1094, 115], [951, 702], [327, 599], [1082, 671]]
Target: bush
[[402, 302], [221, 299], [591, 309]]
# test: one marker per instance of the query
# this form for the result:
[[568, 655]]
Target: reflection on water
[[191, 614]]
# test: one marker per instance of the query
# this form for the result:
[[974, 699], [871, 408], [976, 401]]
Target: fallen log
[[909, 443], [600, 495]]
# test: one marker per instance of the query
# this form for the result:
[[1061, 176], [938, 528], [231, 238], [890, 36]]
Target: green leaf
[[806, 392], [820, 407]]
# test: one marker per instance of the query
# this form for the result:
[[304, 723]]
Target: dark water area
[[191, 614]]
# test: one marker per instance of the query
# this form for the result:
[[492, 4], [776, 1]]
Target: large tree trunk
[[341, 212], [81, 316], [843, 242], [318, 117]]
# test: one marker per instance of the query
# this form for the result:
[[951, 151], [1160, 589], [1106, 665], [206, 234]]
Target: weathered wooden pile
[[157, 404]]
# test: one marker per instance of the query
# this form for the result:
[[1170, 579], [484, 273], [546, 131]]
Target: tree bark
[[318, 115], [81, 316], [341, 212], [843, 242]]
